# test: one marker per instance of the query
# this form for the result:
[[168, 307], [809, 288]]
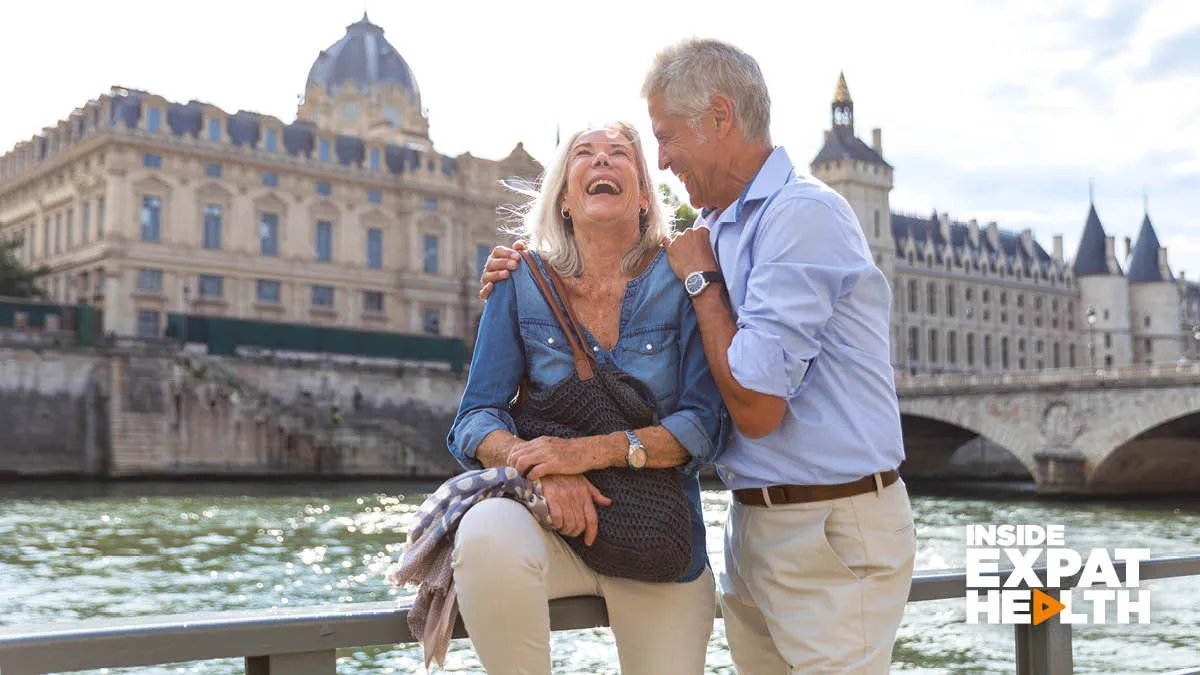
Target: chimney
[[1128, 247], [944, 225], [1058, 248], [877, 140], [1027, 241], [1162, 262], [1110, 251], [973, 232], [993, 233]]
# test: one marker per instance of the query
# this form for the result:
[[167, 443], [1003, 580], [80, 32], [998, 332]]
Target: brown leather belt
[[776, 495]]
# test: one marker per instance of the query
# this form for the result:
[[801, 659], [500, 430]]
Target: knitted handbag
[[645, 534]]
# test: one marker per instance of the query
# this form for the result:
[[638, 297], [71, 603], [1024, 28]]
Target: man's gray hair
[[690, 73]]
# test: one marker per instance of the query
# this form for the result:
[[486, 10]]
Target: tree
[[15, 280], [685, 215]]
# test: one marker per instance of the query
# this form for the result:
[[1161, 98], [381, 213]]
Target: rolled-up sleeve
[[700, 422], [497, 366], [804, 252]]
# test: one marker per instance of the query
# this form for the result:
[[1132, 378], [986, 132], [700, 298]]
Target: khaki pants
[[507, 568], [817, 588]]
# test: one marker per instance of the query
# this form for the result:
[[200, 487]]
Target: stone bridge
[[1125, 430]]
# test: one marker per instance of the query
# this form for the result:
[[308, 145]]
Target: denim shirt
[[659, 342]]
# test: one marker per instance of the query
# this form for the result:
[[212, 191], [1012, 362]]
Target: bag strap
[[580, 355]]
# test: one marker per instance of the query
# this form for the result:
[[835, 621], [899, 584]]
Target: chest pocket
[[547, 352], [652, 355]]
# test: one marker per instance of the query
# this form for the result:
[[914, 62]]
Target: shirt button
[[595, 348], [549, 341], [649, 346]]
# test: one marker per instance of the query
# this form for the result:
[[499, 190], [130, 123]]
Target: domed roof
[[364, 57]]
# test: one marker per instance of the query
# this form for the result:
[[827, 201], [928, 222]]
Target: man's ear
[[721, 108]]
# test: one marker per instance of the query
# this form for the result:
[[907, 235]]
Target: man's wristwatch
[[635, 457], [696, 282]]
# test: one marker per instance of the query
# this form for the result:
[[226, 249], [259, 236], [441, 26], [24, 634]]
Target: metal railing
[[304, 640]]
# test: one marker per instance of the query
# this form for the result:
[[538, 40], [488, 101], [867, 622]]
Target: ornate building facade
[[347, 216], [971, 297]]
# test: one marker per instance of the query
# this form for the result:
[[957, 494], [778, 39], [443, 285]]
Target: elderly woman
[[597, 222]]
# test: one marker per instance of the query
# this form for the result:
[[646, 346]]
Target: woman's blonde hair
[[542, 226]]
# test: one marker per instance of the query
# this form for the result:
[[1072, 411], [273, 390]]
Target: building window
[[877, 233], [212, 226], [272, 141], [212, 170], [374, 160], [323, 150], [375, 248], [433, 321], [210, 286], [85, 221], [913, 295], [430, 203], [1004, 353], [914, 339], [987, 351], [1147, 319], [931, 298], [324, 189], [46, 237], [214, 130], [147, 323], [373, 302], [153, 119], [322, 296], [268, 233], [150, 281], [152, 161], [151, 219], [950, 300], [1149, 346], [952, 348], [430, 255], [1020, 301], [933, 346], [100, 217], [267, 291], [1108, 361], [374, 196], [1071, 356], [270, 179], [481, 256], [70, 229], [970, 349], [1108, 340], [1106, 315], [324, 241], [1057, 355]]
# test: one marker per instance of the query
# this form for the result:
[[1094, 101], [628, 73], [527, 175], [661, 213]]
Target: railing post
[[301, 663], [1044, 649]]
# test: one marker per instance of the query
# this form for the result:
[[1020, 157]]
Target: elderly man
[[819, 541]]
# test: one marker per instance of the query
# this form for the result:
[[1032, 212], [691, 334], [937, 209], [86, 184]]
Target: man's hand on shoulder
[[498, 265], [690, 251]]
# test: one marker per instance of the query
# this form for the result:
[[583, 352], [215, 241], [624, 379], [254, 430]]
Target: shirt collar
[[772, 175]]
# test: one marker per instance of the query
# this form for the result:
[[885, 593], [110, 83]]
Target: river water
[[71, 551]]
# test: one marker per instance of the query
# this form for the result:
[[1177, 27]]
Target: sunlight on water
[[72, 551]]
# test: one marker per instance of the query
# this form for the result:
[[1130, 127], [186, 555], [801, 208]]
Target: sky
[[1002, 111]]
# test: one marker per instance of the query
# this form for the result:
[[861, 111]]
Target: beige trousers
[[507, 568], [817, 588]]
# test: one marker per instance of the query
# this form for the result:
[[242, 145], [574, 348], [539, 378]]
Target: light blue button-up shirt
[[812, 314]]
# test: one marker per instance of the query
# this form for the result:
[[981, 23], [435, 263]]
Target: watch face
[[694, 283], [637, 458]]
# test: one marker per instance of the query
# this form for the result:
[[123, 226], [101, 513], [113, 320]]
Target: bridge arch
[[1162, 457], [934, 433]]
